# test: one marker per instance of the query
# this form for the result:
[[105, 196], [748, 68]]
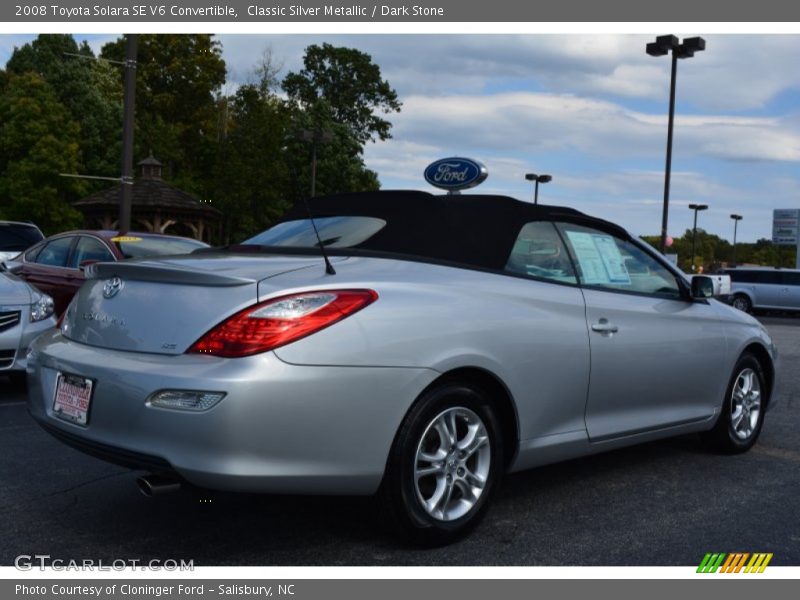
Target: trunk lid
[[163, 306]]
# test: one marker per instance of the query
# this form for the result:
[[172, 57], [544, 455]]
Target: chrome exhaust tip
[[156, 485]]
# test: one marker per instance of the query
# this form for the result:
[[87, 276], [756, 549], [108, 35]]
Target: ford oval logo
[[112, 287], [455, 173]]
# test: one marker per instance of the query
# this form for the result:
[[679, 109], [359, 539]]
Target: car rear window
[[18, 236], [133, 246], [335, 232]]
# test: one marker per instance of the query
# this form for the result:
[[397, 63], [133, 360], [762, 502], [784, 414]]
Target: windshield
[[16, 237], [134, 246], [335, 232]]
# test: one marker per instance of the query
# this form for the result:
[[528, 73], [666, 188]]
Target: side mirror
[[702, 287]]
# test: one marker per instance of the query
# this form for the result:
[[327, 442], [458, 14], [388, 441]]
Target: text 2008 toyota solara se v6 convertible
[[450, 339]]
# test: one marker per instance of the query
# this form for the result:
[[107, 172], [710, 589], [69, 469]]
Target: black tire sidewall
[[748, 304], [413, 519], [724, 429]]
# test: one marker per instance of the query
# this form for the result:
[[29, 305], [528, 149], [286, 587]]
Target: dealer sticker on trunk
[[72, 399]]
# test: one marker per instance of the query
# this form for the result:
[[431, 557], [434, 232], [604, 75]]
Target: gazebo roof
[[147, 193], [150, 192]]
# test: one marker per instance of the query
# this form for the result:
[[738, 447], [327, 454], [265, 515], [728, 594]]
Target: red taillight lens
[[279, 321]]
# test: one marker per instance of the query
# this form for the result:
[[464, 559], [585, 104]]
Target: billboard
[[784, 226]]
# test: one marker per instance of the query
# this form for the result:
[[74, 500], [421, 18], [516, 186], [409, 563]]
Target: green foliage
[[61, 113], [38, 138], [351, 84], [85, 89], [340, 166], [178, 82], [251, 175], [713, 252]]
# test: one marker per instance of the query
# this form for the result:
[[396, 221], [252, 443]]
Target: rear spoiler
[[163, 273]]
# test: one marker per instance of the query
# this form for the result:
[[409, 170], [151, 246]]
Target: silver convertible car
[[402, 344]]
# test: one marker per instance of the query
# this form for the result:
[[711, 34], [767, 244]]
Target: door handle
[[603, 326]]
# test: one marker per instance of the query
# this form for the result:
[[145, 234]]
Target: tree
[[714, 252], [39, 141], [351, 85], [340, 166], [87, 88], [178, 83], [251, 176]]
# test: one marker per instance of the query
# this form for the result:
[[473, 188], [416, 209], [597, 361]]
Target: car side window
[[30, 255], [89, 248], [539, 252], [55, 253], [771, 277], [608, 262], [791, 278]]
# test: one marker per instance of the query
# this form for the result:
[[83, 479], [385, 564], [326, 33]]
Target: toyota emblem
[[112, 287]]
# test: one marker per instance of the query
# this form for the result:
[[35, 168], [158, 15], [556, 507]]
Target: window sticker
[[600, 259]]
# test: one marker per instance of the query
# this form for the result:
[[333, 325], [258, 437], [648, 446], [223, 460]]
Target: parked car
[[56, 265], [764, 288], [439, 342], [16, 237], [25, 313]]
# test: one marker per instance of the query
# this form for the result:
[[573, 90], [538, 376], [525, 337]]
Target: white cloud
[[541, 122]]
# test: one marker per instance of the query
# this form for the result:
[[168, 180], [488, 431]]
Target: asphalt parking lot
[[664, 503]]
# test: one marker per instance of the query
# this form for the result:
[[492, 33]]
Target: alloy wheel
[[745, 404], [452, 464]]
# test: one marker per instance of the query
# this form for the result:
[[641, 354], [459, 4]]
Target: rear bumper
[[281, 428]]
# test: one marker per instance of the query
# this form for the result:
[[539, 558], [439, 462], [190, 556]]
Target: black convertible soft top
[[473, 229]]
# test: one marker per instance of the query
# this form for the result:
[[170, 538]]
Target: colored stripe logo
[[736, 562]]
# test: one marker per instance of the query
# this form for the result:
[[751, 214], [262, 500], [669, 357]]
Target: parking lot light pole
[[538, 179], [665, 44], [736, 219], [696, 208]]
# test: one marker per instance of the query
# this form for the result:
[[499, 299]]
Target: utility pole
[[124, 224]]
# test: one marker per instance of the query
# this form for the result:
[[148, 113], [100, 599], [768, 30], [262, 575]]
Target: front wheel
[[444, 466], [742, 416]]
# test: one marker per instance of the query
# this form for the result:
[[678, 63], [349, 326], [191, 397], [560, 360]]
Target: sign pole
[[797, 254]]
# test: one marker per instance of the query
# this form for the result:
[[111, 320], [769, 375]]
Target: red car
[[55, 265]]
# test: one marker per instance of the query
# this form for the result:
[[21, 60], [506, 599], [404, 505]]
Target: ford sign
[[455, 173]]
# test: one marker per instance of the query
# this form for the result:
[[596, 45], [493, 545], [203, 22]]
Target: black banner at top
[[445, 11]]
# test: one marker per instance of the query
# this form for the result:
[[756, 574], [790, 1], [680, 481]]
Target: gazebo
[[156, 207]]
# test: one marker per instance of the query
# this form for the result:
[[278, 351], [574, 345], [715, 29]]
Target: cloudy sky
[[588, 109]]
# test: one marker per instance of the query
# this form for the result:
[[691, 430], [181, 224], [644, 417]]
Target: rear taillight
[[280, 321]]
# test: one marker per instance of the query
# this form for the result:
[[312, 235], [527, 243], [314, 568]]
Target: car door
[[656, 355], [543, 336], [768, 289], [49, 271]]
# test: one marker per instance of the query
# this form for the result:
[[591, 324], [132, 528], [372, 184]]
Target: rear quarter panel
[[532, 335]]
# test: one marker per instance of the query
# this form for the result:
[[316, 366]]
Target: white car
[[25, 313]]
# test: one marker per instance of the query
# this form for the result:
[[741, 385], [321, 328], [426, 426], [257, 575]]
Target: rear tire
[[444, 467], [742, 302], [739, 424]]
